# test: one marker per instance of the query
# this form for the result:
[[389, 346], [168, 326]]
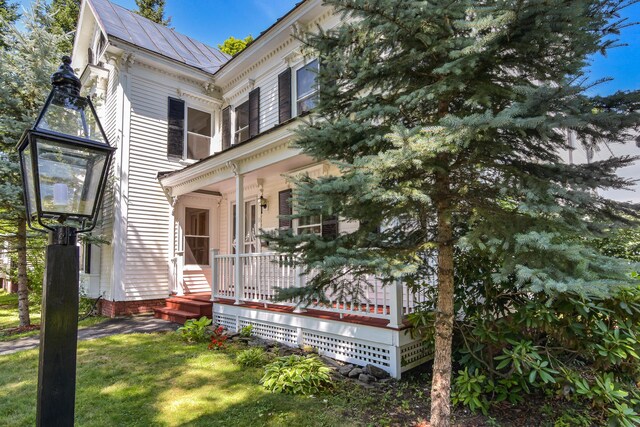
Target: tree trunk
[[23, 289], [441, 382]]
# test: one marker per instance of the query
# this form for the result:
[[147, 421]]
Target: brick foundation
[[128, 308]]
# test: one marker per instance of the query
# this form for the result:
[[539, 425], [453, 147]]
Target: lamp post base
[[59, 331]]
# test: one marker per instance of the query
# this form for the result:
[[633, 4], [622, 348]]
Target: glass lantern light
[[64, 158]]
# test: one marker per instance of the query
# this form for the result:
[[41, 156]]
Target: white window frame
[[294, 86], [237, 131], [185, 235], [185, 138]]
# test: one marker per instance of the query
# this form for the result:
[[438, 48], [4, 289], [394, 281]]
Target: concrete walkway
[[120, 325]]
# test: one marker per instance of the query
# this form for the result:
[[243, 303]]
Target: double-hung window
[[198, 134], [307, 87], [196, 231], [242, 122], [188, 137]]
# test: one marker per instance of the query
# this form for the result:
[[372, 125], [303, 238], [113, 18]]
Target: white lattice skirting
[[389, 349]]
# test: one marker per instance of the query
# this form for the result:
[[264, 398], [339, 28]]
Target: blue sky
[[212, 21]]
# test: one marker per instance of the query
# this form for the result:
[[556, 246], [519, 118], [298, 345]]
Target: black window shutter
[[226, 128], [254, 112], [175, 135], [284, 95], [284, 204], [330, 226]]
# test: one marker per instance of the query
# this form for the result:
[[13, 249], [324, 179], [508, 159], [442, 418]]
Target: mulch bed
[[19, 329]]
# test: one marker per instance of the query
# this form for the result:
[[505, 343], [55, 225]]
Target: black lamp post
[[65, 160]]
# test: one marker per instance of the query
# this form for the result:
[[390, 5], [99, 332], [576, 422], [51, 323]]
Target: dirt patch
[[19, 330]]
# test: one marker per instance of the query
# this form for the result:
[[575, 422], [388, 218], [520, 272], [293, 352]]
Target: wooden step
[[175, 316], [200, 308]]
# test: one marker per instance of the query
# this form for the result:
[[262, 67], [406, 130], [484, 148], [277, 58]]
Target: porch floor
[[319, 314]]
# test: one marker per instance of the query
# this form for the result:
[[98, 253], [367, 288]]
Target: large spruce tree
[[29, 56], [447, 120]]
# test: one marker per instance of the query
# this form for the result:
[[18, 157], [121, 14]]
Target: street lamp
[[65, 160]]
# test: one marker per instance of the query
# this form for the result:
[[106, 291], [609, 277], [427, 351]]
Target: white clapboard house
[[203, 146]]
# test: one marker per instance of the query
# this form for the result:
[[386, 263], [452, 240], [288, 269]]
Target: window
[[198, 134], [309, 225], [196, 230], [242, 122], [194, 142], [306, 87]]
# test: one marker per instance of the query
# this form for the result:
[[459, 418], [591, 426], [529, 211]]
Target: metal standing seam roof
[[130, 27]]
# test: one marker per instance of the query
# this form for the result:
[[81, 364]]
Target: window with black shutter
[[284, 208], [307, 87], [226, 128], [284, 95], [330, 226], [175, 134], [254, 112]]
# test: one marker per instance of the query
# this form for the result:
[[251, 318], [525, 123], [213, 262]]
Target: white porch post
[[395, 305], [239, 233], [215, 275]]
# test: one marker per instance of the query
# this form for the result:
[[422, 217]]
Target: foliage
[[623, 243], [233, 46], [29, 55], [296, 375], [195, 330], [446, 121], [8, 15], [153, 10], [512, 343], [65, 19], [218, 339], [246, 331], [254, 357]]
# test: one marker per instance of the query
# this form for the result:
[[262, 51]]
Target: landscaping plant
[[246, 331], [252, 358], [296, 375], [510, 343], [218, 339], [196, 330], [440, 114]]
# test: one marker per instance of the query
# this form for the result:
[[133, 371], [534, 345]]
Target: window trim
[[294, 87], [185, 145]]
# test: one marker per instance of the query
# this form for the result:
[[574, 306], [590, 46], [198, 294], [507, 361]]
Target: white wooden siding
[[149, 224]]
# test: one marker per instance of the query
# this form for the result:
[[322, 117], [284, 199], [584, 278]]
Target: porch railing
[[263, 274]]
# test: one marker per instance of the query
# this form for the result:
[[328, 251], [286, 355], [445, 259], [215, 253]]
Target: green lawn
[[9, 311], [9, 318], [157, 380]]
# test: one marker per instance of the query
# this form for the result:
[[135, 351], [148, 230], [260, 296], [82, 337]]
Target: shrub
[[296, 375], [246, 331], [195, 330], [218, 339], [512, 342], [252, 358]]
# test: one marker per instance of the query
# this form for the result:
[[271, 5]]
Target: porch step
[[200, 308], [182, 308]]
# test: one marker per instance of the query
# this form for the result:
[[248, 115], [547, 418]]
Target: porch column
[[395, 305], [239, 233]]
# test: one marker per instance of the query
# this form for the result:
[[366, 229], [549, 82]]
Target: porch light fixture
[[64, 159], [262, 202]]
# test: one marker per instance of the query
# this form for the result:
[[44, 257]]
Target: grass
[[9, 318], [157, 380]]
